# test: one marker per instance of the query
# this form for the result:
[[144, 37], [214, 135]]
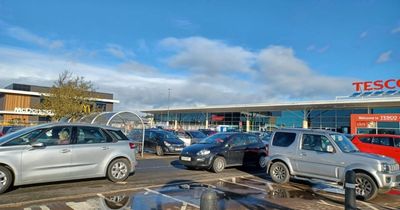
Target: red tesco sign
[[377, 85]]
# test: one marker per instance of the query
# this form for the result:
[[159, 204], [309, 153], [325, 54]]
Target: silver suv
[[327, 155], [57, 152]]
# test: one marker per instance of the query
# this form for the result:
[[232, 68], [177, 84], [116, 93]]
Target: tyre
[[279, 173], [118, 170], [262, 162], [5, 179], [218, 164], [366, 188], [159, 151]]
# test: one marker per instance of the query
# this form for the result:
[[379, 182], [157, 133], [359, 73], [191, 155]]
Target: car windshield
[[344, 143], [16, 134], [215, 139], [197, 134]]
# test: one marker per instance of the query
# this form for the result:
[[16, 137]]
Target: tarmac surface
[[163, 183]]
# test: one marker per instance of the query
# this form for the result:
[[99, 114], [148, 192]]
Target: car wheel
[[159, 151], [5, 179], [118, 170], [218, 164], [262, 162], [279, 173], [366, 188]]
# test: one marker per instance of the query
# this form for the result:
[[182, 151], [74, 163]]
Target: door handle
[[105, 148], [65, 150], [303, 154]]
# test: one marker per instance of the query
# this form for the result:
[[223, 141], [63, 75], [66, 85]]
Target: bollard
[[350, 191], [209, 200]]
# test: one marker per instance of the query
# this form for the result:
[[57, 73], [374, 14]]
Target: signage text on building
[[389, 84], [30, 111]]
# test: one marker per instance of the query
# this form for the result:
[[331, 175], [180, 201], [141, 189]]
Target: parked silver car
[[326, 155], [57, 152]]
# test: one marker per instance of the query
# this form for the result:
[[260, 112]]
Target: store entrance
[[375, 124]]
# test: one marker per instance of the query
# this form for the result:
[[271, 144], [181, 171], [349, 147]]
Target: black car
[[225, 149], [162, 142]]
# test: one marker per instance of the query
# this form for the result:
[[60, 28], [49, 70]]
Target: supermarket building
[[19, 102], [374, 107]]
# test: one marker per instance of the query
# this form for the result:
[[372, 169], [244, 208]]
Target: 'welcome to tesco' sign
[[377, 85]]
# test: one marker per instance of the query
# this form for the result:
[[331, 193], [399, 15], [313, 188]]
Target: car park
[[224, 150], [162, 142], [58, 152], [208, 132], [327, 155], [383, 144]]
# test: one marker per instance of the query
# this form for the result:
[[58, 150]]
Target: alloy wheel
[[3, 179], [119, 170], [262, 162], [279, 172], [363, 186]]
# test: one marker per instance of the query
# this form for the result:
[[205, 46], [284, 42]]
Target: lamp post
[[169, 94]]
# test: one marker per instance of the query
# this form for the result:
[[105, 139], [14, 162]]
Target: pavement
[[163, 183]]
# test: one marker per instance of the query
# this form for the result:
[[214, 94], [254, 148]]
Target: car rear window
[[365, 139], [283, 139], [118, 135]]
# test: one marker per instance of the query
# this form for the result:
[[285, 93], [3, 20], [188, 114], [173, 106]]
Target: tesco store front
[[374, 107]]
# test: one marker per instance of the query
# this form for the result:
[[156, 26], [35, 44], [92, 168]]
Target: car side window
[[55, 136], [25, 139], [367, 140], [91, 135], [283, 139], [238, 140], [252, 140], [384, 141], [396, 142], [314, 142]]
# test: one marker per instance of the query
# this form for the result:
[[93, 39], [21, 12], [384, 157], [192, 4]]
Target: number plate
[[178, 149], [186, 158]]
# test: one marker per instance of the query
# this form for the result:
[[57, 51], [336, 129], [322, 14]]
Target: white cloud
[[396, 30], [198, 54], [29, 37], [217, 73], [118, 51], [384, 57]]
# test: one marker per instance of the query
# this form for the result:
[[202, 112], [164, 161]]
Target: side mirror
[[38, 145], [329, 148]]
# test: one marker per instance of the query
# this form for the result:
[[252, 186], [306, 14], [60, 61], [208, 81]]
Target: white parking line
[[167, 196], [244, 185]]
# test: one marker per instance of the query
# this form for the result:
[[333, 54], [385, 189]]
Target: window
[[365, 139], [283, 139], [25, 139], [118, 135], [315, 143], [238, 140], [384, 141], [91, 135], [252, 139], [55, 136], [396, 142]]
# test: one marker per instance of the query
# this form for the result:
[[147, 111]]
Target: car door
[[252, 150], [51, 162], [151, 141], [90, 151], [382, 145], [314, 159], [396, 149], [236, 150]]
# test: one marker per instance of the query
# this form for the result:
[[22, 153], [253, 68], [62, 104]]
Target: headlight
[[203, 152], [385, 167], [167, 144]]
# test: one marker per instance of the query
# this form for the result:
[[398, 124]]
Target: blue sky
[[251, 51]]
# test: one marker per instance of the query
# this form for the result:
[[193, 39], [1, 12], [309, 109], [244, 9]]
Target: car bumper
[[196, 161], [390, 180]]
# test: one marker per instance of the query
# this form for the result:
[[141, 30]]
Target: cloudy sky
[[206, 52]]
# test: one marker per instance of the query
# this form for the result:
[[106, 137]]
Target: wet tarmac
[[245, 192]]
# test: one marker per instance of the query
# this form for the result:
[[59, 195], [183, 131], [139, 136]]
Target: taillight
[[132, 145]]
